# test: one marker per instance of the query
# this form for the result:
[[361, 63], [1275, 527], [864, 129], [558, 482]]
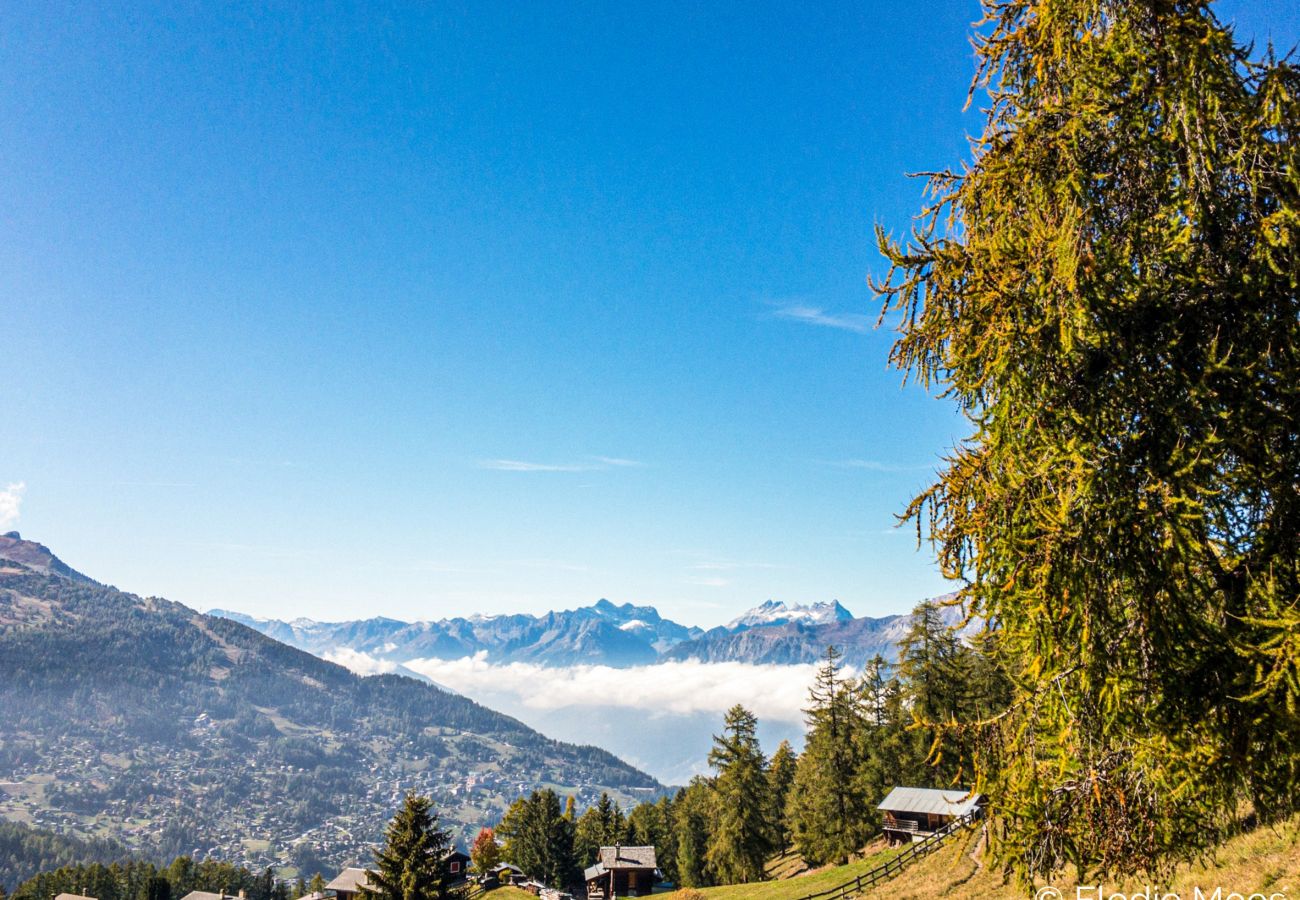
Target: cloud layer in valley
[[678, 687], [660, 717]]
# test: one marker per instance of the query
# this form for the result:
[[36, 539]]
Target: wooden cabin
[[348, 884], [457, 866], [503, 873], [912, 814], [622, 872]]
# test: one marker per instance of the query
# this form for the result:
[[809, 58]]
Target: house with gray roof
[[911, 813], [622, 872]]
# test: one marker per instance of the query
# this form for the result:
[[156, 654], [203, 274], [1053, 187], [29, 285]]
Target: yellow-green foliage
[[1110, 291]]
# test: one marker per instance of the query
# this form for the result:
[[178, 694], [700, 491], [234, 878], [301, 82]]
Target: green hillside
[[1266, 859]]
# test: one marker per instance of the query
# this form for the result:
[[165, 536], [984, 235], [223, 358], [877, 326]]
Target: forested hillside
[[25, 851], [192, 733]]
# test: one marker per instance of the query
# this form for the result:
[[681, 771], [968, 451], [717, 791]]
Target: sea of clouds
[[659, 717]]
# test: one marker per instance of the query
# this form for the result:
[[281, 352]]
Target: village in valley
[[917, 818]]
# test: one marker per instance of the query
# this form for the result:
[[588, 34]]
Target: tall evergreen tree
[[829, 817], [931, 672], [692, 812], [780, 779], [740, 839], [539, 839], [1108, 290], [411, 865]]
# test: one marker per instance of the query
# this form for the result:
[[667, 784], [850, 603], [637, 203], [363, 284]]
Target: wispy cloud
[[519, 465], [729, 565], [558, 565], [872, 465], [590, 464], [615, 462], [11, 501], [815, 315]]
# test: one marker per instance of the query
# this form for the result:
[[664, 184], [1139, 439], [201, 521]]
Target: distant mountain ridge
[[603, 634], [607, 634]]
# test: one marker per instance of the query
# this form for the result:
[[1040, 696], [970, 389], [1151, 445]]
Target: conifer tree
[[829, 817], [740, 839], [780, 779], [412, 864], [539, 839], [692, 813], [1108, 290]]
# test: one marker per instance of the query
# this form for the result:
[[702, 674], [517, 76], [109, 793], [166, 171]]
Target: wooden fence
[[895, 864]]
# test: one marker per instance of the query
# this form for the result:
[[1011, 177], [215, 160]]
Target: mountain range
[[173, 731], [606, 634]]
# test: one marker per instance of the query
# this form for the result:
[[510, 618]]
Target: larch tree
[[1107, 290], [411, 865]]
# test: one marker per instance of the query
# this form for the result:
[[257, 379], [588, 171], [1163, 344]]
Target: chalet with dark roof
[[622, 872]]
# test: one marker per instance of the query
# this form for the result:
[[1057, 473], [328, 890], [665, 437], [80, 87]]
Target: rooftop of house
[[930, 800], [618, 858], [350, 879]]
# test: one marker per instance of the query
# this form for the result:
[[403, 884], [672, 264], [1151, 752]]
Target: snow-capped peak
[[778, 613], [633, 624]]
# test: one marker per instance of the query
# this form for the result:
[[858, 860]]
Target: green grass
[[801, 885], [506, 892]]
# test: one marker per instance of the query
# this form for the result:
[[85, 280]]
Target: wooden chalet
[[62, 896], [203, 895], [457, 866], [348, 884], [622, 872], [505, 873], [911, 814]]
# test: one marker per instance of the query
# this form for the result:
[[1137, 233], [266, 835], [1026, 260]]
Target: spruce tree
[[411, 865], [1108, 290], [539, 839], [692, 812], [780, 779], [740, 840], [829, 817]]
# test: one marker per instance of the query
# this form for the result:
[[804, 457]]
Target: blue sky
[[344, 310]]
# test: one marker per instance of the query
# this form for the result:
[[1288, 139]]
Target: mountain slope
[[192, 732]]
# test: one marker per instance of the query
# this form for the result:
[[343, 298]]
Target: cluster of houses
[[619, 872], [908, 814]]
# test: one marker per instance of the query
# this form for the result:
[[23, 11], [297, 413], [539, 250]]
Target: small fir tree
[[412, 863]]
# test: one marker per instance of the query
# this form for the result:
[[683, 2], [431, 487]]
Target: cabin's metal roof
[[930, 800]]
